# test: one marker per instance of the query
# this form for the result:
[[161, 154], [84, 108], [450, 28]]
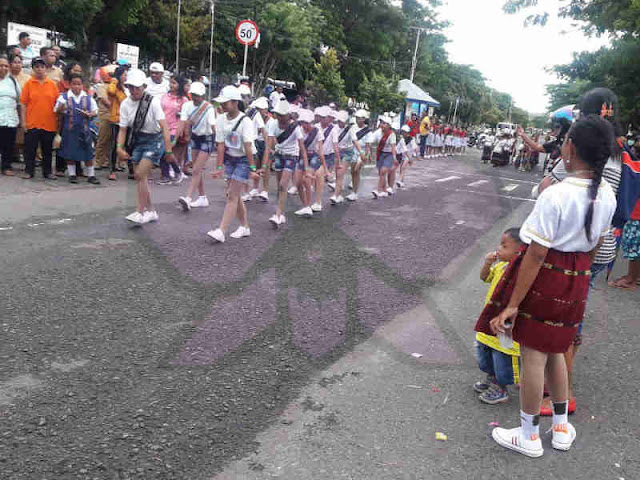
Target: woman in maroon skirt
[[542, 295]]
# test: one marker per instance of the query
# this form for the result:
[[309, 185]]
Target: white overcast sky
[[511, 57]]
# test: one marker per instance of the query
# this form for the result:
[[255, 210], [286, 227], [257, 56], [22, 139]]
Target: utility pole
[[213, 11], [414, 63], [178, 39]]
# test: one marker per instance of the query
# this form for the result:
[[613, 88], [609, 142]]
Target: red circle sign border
[[255, 25]]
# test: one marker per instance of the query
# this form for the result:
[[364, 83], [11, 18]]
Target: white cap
[[261, 103], [228, 93], [244, 89], [362, 114], [385, 119], [342, 116], [198, 88], [406, 128], [136, 78], [325, 112], [282, 108], [305, 116], [156, 67], [317, 110], [294, 108]]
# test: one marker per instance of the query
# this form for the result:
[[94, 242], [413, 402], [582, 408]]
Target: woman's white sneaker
[[150, 216], [352, 197], [217, 235], [264, 196], [200, 202], [246, 197], [254, 192], [563, 436], [241, 232], [135, 217], [514, 439], [316, 207], [305, 212], [275, 220], [185, 203], [293, 190]]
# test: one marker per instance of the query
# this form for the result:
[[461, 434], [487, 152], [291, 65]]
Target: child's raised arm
[[489, 259]]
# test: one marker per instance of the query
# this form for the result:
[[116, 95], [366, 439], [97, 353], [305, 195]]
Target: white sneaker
[[352, 197], [185, 203], [514, 439], [563, 436], [383, 194], [333, 199], [135, 217], [172, 174], [200, 202], [246, 197], [375, 194], [179, 179], [150, 216], [316, 207], [339, 199], [390, 191], [254, 192], [241, 232], [350, 186], [264, 196], [282, 219], [275, 220], [293, 190], [399, 184], [217, 235], [304, 212], [332, 186]]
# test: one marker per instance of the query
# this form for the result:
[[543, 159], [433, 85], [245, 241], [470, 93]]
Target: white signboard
[[131, 53], [38, 35]]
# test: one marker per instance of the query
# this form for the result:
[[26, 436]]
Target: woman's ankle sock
[[560, 413], [530, 425]]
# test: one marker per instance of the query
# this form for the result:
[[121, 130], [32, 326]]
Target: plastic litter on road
[[441, 437], [416, 355]]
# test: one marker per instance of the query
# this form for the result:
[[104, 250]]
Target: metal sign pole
[[244, 66], [213, 9], [178, 39]]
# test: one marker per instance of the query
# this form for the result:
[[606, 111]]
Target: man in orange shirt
[[39, 96]]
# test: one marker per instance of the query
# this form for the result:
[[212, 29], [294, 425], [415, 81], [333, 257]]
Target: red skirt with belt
[[549, 316]]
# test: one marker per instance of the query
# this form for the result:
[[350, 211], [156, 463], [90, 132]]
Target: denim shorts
[[260, 147], [314, 161], [236, 168], [330, 160], [350, 155], [285, 162], [203, 143], [385, 161], [149, 146]]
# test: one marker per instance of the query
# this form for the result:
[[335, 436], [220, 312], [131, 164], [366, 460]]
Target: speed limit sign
[[247, 32]]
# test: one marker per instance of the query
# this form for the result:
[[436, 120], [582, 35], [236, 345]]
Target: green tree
[[380, 93], [326, 84]]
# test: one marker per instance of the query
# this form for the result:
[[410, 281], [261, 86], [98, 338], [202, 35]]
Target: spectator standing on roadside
[[61, 64], [39, 96], [9, 118], [54, 73], [104, 128], [117, 93], [26, 51], [425, 127], [15, 65], [157, 85]]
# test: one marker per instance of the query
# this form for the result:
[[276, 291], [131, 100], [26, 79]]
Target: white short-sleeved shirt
[[235, 140], [258, 124], [9, 98], [157, 89], [391, 141], [128, 109], [291, 145], [319, 137], [330, 139], [93, 106], [557, 219], [349, 140], [205, 124], [367, 136]]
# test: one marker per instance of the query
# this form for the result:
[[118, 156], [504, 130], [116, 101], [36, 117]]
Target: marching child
[[498, 361]]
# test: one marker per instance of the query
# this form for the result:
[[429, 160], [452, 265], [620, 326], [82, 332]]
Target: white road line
[[478, 183], [474, 174], [509, 188], [3, 229], [447, 179], [510, 197]]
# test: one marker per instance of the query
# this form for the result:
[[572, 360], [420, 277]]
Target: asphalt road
[[150, 353]]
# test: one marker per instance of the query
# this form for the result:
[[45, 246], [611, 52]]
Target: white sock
[[91, 171], [560, 413], [202, 196], [71, 169], [530, 425]]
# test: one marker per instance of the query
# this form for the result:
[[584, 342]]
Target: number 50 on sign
[[247, 32]]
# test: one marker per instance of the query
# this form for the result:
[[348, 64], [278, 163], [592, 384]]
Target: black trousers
[[43, 138], [7, 144], [115, 128]]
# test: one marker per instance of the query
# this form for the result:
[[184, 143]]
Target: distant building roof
[[415, 93]]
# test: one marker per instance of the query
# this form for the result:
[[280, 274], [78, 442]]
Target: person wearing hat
[[197, 122], [117, 92], [141, 114], [157, 85], [351, 151], [385, 138], [235, 137], [260, 119], [258, 127], [331, 152], [363, 134], [408, 150], [286, 141], [304, 177], [38, 98]]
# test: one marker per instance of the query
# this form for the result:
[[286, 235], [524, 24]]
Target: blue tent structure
[[416, 99]]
